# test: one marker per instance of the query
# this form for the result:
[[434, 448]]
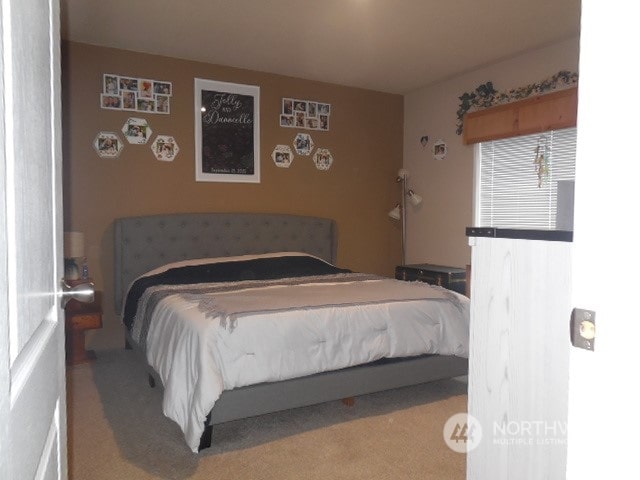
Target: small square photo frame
[[110, 84], [300, 106], [323, 122], [128, 84], [163, 88], [324, 109], [110, 102], [312, 109], [286, 121], [146, 105], [145, 88], [163, 104], [287, 106], [129, 100]]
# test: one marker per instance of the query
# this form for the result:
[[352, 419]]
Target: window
[[509, 193]]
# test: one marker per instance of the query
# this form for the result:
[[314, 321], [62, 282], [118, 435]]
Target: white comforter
[[198, 355]]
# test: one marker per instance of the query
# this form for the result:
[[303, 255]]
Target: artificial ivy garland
[[486, 96]]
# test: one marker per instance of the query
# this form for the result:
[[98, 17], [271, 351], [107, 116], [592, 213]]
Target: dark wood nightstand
[[452, 278], [80, 317]]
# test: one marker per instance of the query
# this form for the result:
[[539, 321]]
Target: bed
[[191, 331]]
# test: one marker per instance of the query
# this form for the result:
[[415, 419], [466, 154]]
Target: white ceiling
[[391, 46]]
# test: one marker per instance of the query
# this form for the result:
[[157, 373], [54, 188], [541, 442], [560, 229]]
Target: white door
[[32, 373], [603, 403]]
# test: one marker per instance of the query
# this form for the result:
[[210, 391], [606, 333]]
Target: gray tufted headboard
[[144, 243]]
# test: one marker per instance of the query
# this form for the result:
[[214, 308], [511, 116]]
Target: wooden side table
[[80, 317]]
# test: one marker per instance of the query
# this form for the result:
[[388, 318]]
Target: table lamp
[[74, 257]]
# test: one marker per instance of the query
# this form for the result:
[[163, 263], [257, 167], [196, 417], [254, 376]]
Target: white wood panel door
[[519, 358], [32, 372], [603, 399]]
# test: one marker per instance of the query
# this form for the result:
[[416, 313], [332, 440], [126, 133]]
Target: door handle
[[83, 292]]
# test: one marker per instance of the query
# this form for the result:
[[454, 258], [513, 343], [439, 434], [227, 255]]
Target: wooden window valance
[[553, 111]]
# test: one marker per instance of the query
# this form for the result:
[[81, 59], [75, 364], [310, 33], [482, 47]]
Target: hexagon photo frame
[[303, 144], [165, 148], [137, 131], [282, 156], [323, 159], [108, 144]]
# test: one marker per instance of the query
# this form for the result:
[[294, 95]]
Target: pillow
[[200, 261]]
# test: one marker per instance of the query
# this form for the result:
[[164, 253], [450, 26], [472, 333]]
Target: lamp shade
[[414, 198], [73, 244], [395, 213]]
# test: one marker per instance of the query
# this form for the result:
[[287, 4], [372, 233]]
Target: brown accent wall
[[365, 138]]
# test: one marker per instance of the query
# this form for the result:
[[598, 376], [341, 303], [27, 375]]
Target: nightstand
[[451, 278], [80, 317]]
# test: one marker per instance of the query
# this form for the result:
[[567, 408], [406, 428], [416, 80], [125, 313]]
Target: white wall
[[435, 231]]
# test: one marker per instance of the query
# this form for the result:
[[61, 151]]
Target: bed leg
[[349, 401], [205, 439]]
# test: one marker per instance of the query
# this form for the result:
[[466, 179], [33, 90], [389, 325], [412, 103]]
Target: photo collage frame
[[306, 114], [134, 94]]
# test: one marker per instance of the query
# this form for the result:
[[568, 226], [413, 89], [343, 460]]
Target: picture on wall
[[282, 156], [306, 114], [135, 94], [227, 125], [165, 148], [137, 131], [303, 144], [108, 145]]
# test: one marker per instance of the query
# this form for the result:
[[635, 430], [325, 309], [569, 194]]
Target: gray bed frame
[[146, 242]]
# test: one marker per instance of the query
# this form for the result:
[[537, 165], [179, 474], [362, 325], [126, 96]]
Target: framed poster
[[227, 126]]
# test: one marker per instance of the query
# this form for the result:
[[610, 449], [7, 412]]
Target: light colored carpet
[[117, 431]]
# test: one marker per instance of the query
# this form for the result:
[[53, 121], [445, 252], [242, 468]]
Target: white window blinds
[[508, 194]]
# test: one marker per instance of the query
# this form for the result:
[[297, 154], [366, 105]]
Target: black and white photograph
[[312, 109], [287, 106], [324, 109], [299, 106], [286, 120], [303, 144], [323, 159], [323, 122], [282, 156]]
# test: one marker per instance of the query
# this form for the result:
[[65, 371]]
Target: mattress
[[217, 324]]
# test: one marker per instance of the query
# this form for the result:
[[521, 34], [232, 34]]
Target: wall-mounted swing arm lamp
[[399, 212]]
